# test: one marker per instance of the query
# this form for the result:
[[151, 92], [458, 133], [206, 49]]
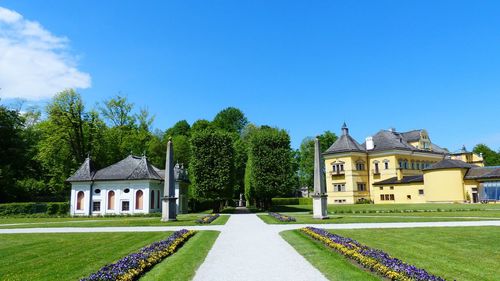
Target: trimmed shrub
[[291, 201], [51, 208]]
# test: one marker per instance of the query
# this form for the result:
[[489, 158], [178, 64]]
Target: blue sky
[[305, 66]]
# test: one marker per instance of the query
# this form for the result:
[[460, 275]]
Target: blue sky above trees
[[306, 67]]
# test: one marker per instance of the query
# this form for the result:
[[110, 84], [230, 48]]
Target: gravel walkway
[[249, 249]]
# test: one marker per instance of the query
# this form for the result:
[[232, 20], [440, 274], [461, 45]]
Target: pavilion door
[[475, 198]]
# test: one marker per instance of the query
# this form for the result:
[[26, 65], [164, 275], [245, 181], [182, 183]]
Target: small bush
[[291, 201], [51, 208]]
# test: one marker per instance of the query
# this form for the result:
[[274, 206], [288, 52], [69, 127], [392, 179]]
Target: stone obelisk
[[169, 207], [319, 196]]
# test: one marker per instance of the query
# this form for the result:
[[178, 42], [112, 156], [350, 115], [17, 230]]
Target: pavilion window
[[386, 165], [125, 205], [96, 206], [80, 200], [111, 200], [152, 199], [138, 200], [392, 197], [158, 199]]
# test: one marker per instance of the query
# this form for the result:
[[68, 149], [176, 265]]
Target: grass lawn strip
[[132, 266], [66, 256], [371, 258], [332, 264], [182, 220], [183, 265], [375, 218]]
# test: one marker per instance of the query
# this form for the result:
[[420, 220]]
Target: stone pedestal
[[319, 207], [169, 209]]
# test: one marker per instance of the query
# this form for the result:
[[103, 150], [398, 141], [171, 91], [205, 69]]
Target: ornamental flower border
[[282, 218], [207, 219], [132, 266], [370, 258]]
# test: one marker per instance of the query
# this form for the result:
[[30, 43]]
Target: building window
[[339, 187], [125, 206], [412, 165], [381, 188], [97, 191], [420, 192], [361, 186], [376, 170], [401, 165], [138, 199], [126, 190], [158, 199], [386, 197], [392, 197], [96, 206], [382, 198], [111, 200], [339, 201], [391, 188], [408, 197], [79, 200], [152, 199], [386, 165], [338, 167], [360, 166]]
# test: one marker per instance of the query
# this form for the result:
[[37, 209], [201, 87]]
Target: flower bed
[[281, 217], [207, 219], [370, 258], [134, 265]]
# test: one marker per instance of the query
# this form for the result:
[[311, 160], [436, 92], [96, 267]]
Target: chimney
[[369, 143]]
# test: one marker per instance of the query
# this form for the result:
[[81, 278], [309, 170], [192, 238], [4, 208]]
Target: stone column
[[169, 206], [319, 196]]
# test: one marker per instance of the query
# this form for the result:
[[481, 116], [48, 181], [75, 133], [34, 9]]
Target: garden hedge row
[[50, 208], [291, 201]]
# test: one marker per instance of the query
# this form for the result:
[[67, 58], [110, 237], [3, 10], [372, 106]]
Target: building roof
[[130, 168], [487, 172], [449, 164], [405, 179], [85, 172], [413, 135], [345, 144]]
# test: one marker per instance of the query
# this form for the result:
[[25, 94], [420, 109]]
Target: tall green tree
[[491, 157], [181, 128], [271, 172], [11, 150], [306, 161], [230, 119], [211, 166]]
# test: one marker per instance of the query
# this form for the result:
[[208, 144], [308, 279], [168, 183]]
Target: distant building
[[405, 167], [131, 186]]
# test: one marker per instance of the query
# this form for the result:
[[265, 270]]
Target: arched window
[[158, 199], [111, 200], [138, 200], [152, 199], [79, 200]]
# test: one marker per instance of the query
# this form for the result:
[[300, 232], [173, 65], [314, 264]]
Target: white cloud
[[34, 63]]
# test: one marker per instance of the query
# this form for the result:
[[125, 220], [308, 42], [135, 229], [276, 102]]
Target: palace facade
[[405, 167]]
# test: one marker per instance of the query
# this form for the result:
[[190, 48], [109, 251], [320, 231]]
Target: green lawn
[[188, 219], [71, 256], [303, 218], [333, 265], [348, 208], [182, 266], [67, 256], [455, 253]]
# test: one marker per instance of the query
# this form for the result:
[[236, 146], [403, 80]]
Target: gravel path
[[249, 249]]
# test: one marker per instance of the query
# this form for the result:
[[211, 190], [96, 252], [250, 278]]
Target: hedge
[[291, 201], [50, 208]]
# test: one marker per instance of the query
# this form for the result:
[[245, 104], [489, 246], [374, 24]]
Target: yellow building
[[405, 167]]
